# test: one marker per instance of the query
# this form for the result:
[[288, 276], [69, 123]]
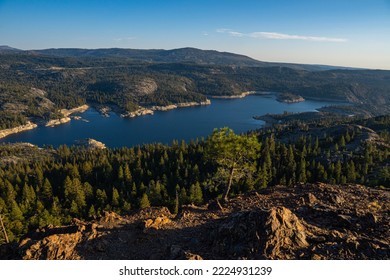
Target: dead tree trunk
[[5, 232], [229, 185]]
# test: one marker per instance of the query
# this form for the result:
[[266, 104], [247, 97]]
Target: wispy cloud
[[223, 30], [280, 36], [230, 32], [124, 39]]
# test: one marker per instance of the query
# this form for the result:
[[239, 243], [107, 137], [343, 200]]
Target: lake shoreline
[[51, 123], [162, 127], [104, 109], [143, 111], [241, 95], [67, 113], [17, 129]]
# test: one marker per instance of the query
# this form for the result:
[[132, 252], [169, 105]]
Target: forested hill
[[181, 55], [190, 55], [34, 85], [39, 186]]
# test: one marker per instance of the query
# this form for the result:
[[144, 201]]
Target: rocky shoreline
[[66, 113], [142, 111], [242, 95], [267, 118], [180, 105], [90, 143], [80, 109], [56, 122], [296, 100], [289, 98], [51, 123], [28, 126]]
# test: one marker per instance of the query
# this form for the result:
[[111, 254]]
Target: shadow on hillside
[[134, 241]]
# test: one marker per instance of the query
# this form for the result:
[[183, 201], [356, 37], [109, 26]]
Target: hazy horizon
[[339, 33], [189, 47]]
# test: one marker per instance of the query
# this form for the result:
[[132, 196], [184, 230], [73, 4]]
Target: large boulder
[[260, 234], [54, 247]]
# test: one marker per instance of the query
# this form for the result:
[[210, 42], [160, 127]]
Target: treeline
[[74, 182]]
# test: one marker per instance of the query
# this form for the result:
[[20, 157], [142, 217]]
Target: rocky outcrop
[[103, 110], [80, 109], [57, 247], [146, 86], [306, 221], [156, 223], [150, 111], [137, 113], [56, 122], [90, 143], [242, 95], [58, 243], [28, 126], [180, 105], [260, 234], [66, 113], [289, 98]]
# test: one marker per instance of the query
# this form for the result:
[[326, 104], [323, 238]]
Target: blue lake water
[[183, 123]]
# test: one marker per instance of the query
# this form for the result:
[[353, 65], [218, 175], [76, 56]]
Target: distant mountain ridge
[[180, 55], [5, 49], [159, 55], [35, 84]]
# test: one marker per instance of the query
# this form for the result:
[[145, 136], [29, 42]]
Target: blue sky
[[343, 32]]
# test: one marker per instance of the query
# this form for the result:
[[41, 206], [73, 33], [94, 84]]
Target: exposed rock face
[[150, 111], [80, 109], [146, 86], [41, 99], [57, 247], [156, 223], [260, 234], [91, 144], [56, 122], [308, 221], [66, 113], [28, 126], [140, 112], [180, 105], [241, 95]]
